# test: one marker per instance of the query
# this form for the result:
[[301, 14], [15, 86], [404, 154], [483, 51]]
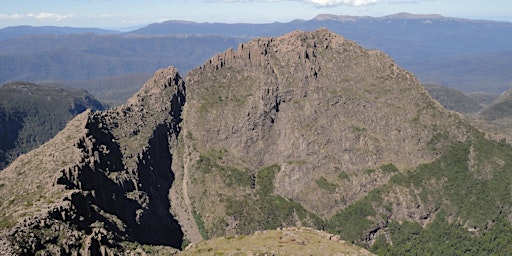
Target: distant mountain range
[[468, 55], [17, 31], [459, 53]]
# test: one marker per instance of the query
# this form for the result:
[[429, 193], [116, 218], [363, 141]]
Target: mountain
[[101, 183], [482, 98], [32, 114], [434, 36], [495, 117], [499, 110], [487, 72], [310, 124], [92, 56], [308, 129], [452, 99], [18, 31], [463, 54], [467, 55]]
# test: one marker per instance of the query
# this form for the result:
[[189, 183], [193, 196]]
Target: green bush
[[343, 176], [326, 185], [351, 223], [389, 168], [263, 210]]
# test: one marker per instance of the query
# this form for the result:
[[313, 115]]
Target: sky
[[127, 14]]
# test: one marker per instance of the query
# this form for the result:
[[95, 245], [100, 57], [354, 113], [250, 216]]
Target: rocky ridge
[[317, 106], [101, 182], [307, 129]]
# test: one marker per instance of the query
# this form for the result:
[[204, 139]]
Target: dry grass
[[289, 241]]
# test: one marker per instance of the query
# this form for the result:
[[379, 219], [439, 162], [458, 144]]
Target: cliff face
[[328, 113], [307, 129], [104, 179]]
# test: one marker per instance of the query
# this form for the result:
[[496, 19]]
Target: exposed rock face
[[315, 104], [115, 186], [284, 131]]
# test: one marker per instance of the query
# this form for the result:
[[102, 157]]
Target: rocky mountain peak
[[283, 131], [295, 45], [161, 80], [266, 74], [314, 106], [104, 179]]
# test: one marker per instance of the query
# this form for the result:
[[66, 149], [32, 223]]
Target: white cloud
[[319, 3], [10, 16], [331, 3], [49, 16], [341, 2], [39, 16]]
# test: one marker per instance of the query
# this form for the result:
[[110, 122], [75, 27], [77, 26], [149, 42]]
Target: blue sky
[[128, 13]]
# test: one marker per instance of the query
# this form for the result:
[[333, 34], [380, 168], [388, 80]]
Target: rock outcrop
[[307, 129], [330, 114], [104, 180]]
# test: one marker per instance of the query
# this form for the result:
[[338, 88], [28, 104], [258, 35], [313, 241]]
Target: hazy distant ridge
[[468, 55]]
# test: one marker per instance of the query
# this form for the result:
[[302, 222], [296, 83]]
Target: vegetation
[[443, 238], [353, 222], [288, 241], [452, 99], [474, 183], [231, 176], [32, 114], [343, 176], [200, 225], [264, 210], [469, 185], [390, 168], [326, 185]]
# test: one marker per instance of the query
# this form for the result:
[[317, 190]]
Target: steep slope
[[32, 114], [101, 185], [306, 123], [306, 129]]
